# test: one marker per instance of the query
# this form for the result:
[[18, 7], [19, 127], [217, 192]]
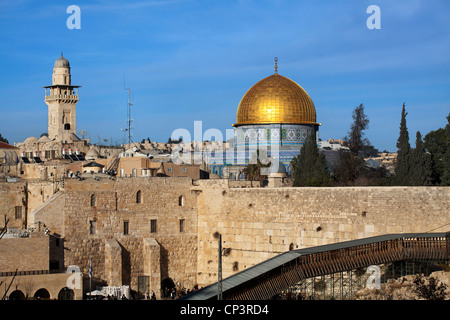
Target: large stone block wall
[[50, 214], [255, 223], [39, 193], [25, 254], [258, 223], [28, 195], [166, 200], [12, 195]]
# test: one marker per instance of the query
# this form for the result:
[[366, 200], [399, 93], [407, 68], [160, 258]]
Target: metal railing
[[338, 258], [23, 273]]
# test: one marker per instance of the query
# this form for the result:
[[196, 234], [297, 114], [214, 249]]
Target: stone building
[[32, 266], [274, 118], [275, 113], [61, 98], [9, 157]]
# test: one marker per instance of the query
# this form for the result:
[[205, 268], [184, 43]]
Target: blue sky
[[188, 60]]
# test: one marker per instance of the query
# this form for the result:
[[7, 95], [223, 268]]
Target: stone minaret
[[61, 98]]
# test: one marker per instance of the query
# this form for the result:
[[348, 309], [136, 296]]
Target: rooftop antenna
[[128, 113]]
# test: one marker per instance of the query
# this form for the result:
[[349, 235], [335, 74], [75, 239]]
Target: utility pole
[[90, 278], [219, 282]]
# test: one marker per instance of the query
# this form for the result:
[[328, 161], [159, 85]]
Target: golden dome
[[276, 99]]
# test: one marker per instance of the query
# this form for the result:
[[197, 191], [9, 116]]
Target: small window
[[18, 212], [184, 170], [92, 226], [125, 227], [93, 200], [139, 197], [169, 169], [182, 225], [153, 226], [66, 126], [181, 201]]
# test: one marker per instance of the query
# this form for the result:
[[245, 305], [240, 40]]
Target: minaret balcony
[[65, 97]]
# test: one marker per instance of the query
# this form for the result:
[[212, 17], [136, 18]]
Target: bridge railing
[[417, 249], [311, 264]]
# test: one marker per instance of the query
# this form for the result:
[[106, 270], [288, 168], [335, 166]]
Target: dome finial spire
[[276, 65]]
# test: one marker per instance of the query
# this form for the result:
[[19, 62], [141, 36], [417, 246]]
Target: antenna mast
[[129, 116]]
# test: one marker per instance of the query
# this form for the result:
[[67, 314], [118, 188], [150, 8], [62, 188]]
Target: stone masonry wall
[[25, 254], [26, 195], [255, 223], [258, 223], [12, 195], [166, 200]]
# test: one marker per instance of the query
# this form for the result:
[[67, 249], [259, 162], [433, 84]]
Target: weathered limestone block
[[113, 262], [152, 264]]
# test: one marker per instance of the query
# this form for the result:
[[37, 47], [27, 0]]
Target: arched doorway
[[17, 295], [66, 294], [167, 285], [42, 294]]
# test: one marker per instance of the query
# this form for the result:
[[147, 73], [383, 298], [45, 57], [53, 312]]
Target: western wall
[[115, 227], [258, 223]]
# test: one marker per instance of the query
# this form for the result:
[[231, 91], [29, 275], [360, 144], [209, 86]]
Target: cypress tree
[[445, 180], [310, 168], [435, 142], [421, 165], [403, 167]]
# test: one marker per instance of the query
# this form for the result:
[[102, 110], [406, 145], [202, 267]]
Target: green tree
[[3, 139], [252, 171], [403, 166], [310, 168], [350, 168], [435, 142], [445, 179], [369, 151], [421, 164], [355, 137]]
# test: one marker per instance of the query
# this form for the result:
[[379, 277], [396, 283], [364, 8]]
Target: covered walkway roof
[[359, 253]]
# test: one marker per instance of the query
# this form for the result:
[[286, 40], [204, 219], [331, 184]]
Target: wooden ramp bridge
[[331, 271]]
